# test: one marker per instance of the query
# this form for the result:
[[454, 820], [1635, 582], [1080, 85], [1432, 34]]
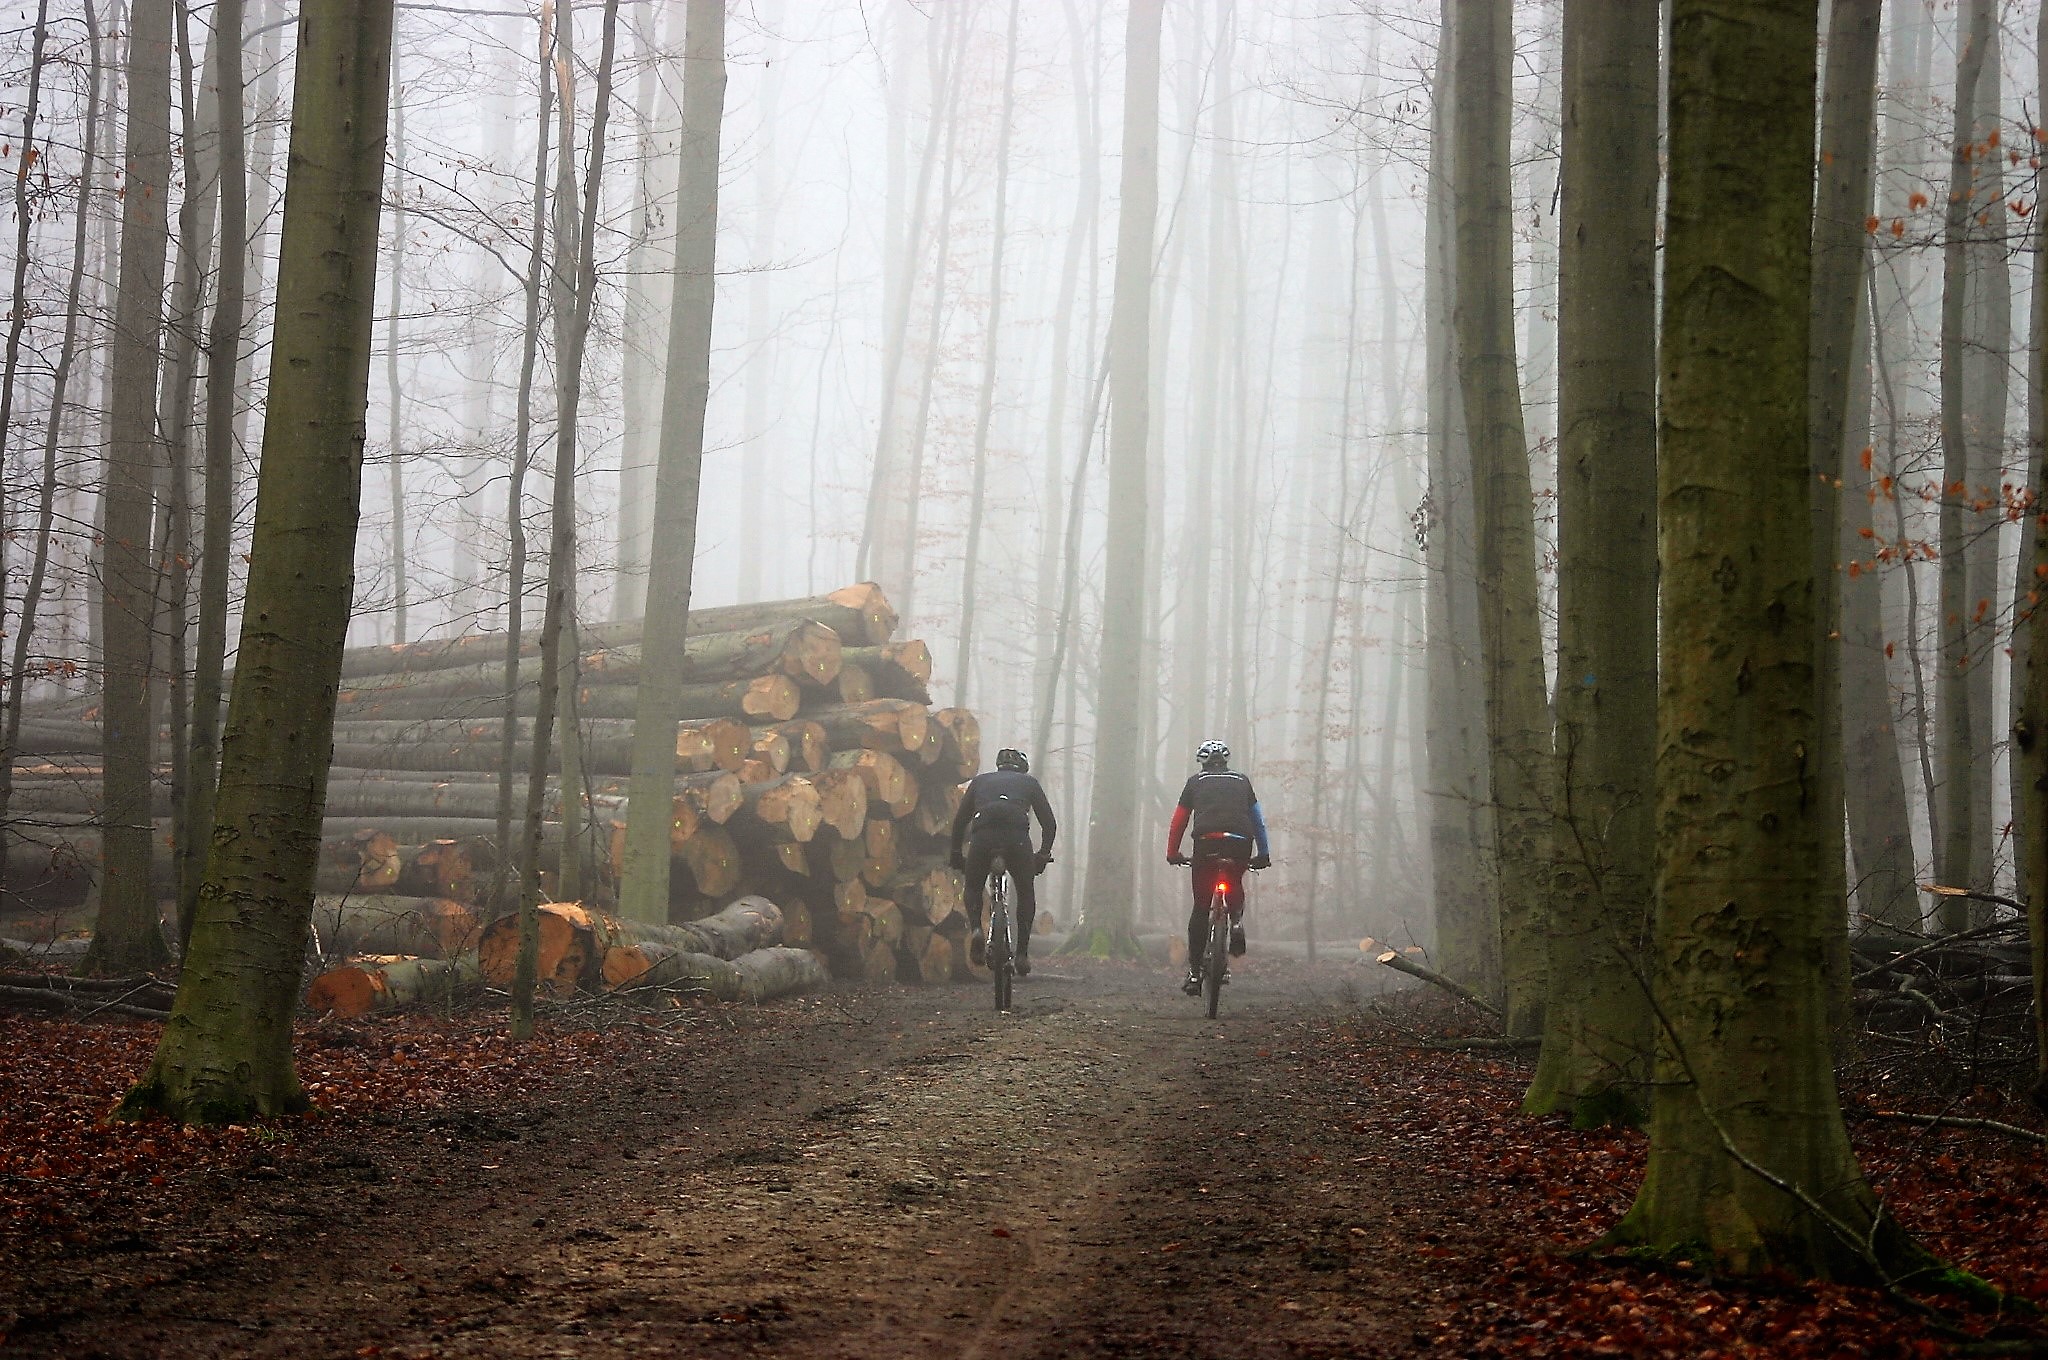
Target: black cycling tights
[[1021, 863], [1207, 874]]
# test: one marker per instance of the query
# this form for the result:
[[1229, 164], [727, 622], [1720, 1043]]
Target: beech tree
[[1597, 1030], [226, 1051], [1749, 1160], [644, 872], [1511, 642], [125, 937]]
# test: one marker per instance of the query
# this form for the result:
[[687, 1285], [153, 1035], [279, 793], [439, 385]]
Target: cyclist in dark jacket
[[995, 819], [1224, 810]]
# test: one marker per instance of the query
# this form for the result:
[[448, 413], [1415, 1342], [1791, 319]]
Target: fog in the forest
[[917, 223]]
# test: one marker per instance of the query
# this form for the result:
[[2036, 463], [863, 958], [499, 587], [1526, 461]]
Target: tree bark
[[1596, 1041], [2030, 725], [1847, 184], [687, 388], [1964, 630], [224, 355], [226, 1052], [1517, 704], [1464, 891], [126, 938], [1748, 1157]]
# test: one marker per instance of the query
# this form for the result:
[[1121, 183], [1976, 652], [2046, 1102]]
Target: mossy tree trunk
[[1597, 1023], [643, 876], [1748, 1159], [1511, 641], [226, 1051]]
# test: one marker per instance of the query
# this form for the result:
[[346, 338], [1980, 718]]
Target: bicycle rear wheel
[[1212, 962], [999, 961]]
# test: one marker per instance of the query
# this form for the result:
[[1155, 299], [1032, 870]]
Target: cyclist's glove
[[1044, 858], [1261, 862], [1178, 859]]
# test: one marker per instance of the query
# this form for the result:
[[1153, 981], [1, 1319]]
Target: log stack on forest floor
[[811, 770]]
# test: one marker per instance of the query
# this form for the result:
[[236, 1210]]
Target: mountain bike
[[1229, 868]]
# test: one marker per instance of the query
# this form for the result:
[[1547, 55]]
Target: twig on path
[[1950, 1121], [1401, 963]]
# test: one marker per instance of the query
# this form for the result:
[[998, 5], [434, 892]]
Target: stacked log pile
[[811, 770]]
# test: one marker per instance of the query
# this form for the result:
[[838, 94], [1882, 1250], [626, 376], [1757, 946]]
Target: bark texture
[[1597, 1024], [1748, 1157], [226, 1051], [1511, 641]]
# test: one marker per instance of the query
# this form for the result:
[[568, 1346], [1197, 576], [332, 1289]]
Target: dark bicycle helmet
[[1010, 758], [1213, 754]]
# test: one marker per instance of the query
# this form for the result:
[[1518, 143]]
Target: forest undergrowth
[[1499, 1262], [1535, 1196]]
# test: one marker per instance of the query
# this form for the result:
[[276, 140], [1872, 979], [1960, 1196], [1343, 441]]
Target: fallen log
[[805, 741], [625, 949], [924, 955], [842, 800], [69, 1001], [1401, 963], [356, 989], [937, 804], [896, 670], [892, 725], [784, 809], [761, 975], [931, 892], [889, 784], [854, 685], [961, 741], [383, 923], [860, 614], [713, 862]]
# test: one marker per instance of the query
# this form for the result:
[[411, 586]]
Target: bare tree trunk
[[1105, 928], [1964, 628], [756, 533], [898, 561], [1596, 1041], [638, 339], [2030, 726], [643, 889], [1517, 707], [126, 938], [1466, 909], [67, 352], [522, 458], [985, 397], [890, 490], [1848, 142], [224, 358], [226, 1054], [557, 622], [394, 390]]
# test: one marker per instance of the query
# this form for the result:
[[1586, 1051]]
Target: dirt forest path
[[900, 1172]]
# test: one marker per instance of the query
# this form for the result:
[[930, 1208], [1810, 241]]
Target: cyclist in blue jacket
[[1224, 811]]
